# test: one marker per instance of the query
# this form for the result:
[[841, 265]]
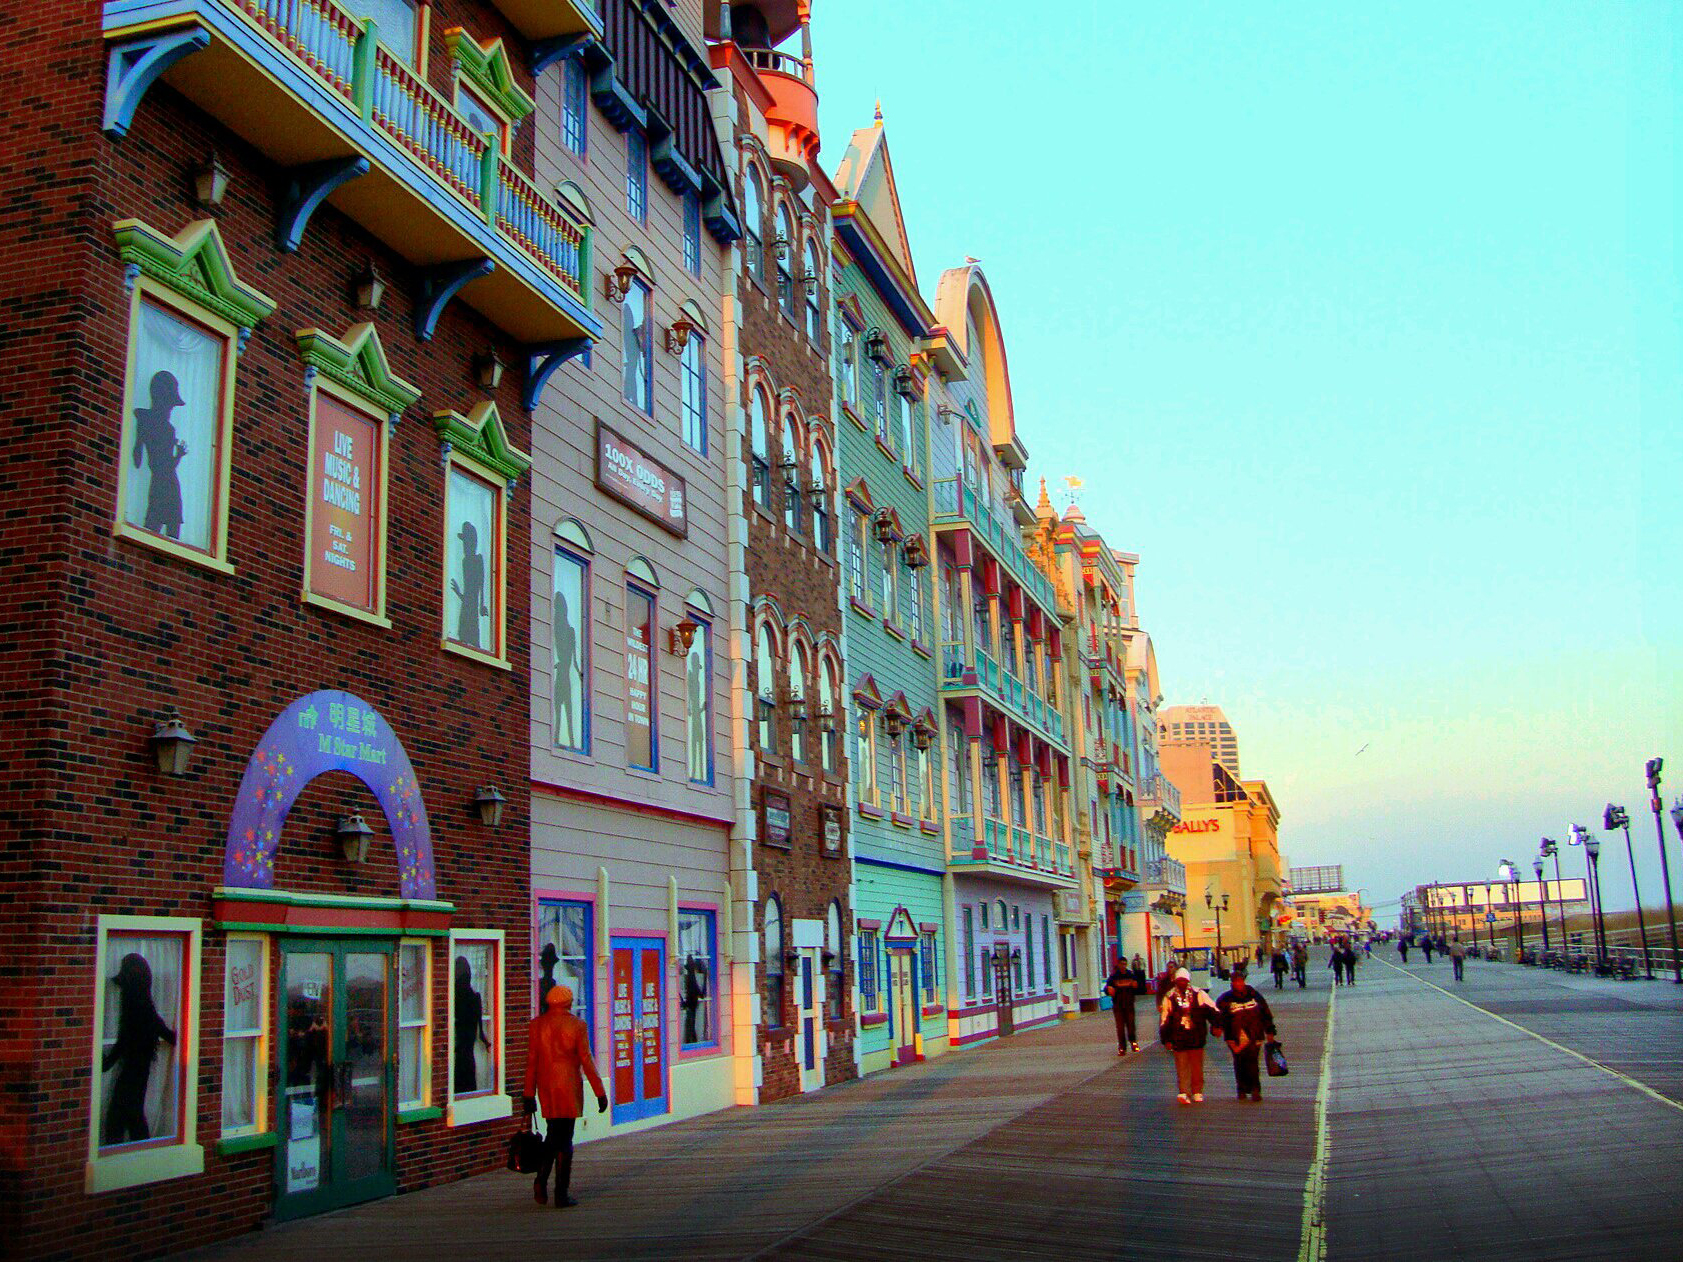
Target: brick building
[[266, 864], [793, 834]]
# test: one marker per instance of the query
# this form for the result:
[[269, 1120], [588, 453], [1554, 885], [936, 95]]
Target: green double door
[[337, 1063]]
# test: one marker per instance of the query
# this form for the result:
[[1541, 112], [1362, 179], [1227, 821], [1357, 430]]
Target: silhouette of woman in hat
[[470, 1028], [156, 440], [549, 958], [471, 590], [139, 1031]]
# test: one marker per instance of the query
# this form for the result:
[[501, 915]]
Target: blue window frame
[[637, 347], [692, 380], [926, 964], [868, 971], [567, 925], [570, 652], [573, 117], [637, 176], [698, 708], [969, 951], [1046, 949], [692, 233], [698, 978]]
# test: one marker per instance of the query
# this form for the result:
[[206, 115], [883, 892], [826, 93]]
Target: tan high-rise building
[[1204, 723]]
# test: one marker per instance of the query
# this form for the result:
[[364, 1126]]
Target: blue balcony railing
[[999, 532], [964, 668]]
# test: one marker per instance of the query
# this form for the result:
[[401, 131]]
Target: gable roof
[[866, 176]]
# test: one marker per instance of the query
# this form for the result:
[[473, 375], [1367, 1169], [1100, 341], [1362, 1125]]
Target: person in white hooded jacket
[[1185, 1017]]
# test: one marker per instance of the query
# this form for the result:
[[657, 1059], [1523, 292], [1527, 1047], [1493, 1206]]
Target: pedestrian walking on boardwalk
[[1367, 946], [1186, 1014], [1402, 949], [1427, 948], [1124, 986], [1278, 965], [1247, 1023], [1458, 957], [557, 1049], [1350, 958], [1336, 964], [1300, 965]]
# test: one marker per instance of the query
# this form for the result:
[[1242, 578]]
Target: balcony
[[961, 675], [1013, 854], [347, 121], [792, 117], [1159, 802], [552, 19], [1166, 876], [959, 505]]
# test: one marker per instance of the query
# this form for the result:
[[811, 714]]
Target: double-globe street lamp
[[1550, 849], [1218, 908], [1653, 769], [1542, 902], [1510, 884], [1615, 817], [1581, 836]]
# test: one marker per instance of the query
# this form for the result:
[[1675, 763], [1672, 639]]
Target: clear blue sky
[[1378, 311]]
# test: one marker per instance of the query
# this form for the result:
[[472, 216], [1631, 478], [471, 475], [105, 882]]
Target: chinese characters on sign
[[344, 486], [639, 482]]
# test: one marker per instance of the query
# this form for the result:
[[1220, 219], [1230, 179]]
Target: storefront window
[[245, 1001], [414, 995], [969, 951], [476, 1072], [926, 964], [565, 954], [773, 963], [870, 999], [698, 965]]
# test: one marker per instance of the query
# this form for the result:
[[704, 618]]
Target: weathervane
[[1071, 492]]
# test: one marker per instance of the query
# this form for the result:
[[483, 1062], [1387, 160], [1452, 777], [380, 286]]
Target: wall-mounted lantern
[[210, 182], [488, 370], [353, 834], [683, 637], [678, 335], [369, 287], [617, 283], [489, 801], [172, 744]]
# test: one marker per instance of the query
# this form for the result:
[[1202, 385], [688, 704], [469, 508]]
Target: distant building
[[1323, 879], [1202, 723]]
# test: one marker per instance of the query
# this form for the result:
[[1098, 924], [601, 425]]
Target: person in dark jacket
[[1247, 1023], [1426, 946], [1336, 964], [1300, 965], [1278, 966], [1185, 1016], [1350, 958], [557, 1054], [1124, 986], [1402, 949]]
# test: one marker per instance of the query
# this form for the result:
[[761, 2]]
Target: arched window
[[753, 207], [765, 683], [784, 247], [793, 517], [814, 296], [797, 702], [774, 963], [759, 442], [818, 487], [835, 964], [828, 718]]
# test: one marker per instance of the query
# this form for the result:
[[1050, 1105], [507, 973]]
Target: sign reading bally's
[[640, 482]]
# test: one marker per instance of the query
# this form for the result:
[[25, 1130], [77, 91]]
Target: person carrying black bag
[[1247, 1024], [558, 1049]]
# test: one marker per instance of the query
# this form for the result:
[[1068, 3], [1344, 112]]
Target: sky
[[1363, 324]]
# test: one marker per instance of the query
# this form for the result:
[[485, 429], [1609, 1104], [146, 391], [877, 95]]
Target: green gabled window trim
[[195, 264], [358, 363], [480, 436], [488, 72]]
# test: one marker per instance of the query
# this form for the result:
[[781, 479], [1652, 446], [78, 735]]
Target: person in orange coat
[[557, 1048]]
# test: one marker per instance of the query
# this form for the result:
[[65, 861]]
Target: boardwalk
[[1445, 1131]]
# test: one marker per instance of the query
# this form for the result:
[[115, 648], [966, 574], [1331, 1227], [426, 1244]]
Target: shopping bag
[[1276, 1061], [525, 1149]]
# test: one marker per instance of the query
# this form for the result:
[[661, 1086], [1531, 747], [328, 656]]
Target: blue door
[[639, 1028]]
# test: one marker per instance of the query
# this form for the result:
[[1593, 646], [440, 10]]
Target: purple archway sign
[[326, 731]]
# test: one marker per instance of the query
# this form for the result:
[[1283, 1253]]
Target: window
[[819, 489], [566, 954], [797, 702], [828, 735], [865, 757], [794, 518], [889, 579], [473, 562], [1037, 789], [692, 373], [573, 117], [870, 998], [908, 443], [1017, 971], [476, 1026], [245, 1053], [145, 1076], [637, 176], [765, 676], [692, 233], [926, 785], [784, 248], [773, 963], [969, 951], [1046, 950], [570, 665], [397, 22], [753, 211], [637, 347], [414, 1025], [481, 117], [698, 964], [985, 957], [1028, 949], [1000, 915], [984, 915], [698, 688], [990, 784], [856, 536], [847, 360], [958, 755], [914, 592], [897, 776], [759, 445], [642, 732], [814, 305], [926, 964], [879, 402], [835, 998]]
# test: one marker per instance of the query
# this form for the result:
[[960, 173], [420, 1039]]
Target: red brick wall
[[98, 635]]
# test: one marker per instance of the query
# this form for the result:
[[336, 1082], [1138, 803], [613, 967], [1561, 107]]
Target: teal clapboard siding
[[878, 892]]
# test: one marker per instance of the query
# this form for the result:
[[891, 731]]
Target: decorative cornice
[[196, 265], [358, 363], [480, 435], [487, 68]]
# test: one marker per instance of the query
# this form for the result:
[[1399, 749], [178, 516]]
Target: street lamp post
[[1615, 817], [1509, 875], [1210, 902], [1654, 765], [1592, 853], [1542, 902], [1551, 850]]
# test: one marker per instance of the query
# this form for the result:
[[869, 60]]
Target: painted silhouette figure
[[470, 1028], [696, 685], [695, 994], [566, 666], [471, 590], [155, 439], [549, 958], [139, 1031]]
